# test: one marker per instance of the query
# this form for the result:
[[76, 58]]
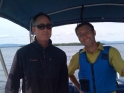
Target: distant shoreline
[[79, 44], [67, 44], [57, 44]]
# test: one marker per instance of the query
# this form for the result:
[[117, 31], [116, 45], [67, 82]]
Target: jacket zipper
[[93, 79], [46, 75]]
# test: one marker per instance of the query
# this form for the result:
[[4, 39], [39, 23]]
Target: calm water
[[8, 54]]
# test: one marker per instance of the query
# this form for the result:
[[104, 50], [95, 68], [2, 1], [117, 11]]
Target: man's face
[[42, 33], [86, 36]]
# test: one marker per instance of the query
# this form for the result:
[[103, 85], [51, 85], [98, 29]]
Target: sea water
[[8, 54]]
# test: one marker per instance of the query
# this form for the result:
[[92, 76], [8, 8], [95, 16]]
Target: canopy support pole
[[82, 10], [1, 2], [31, 35]]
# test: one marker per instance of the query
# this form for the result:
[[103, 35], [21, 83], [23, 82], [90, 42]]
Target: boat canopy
[[63, 12]]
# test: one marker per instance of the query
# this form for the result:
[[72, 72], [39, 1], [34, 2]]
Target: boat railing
[[3, 64], [32, 36]]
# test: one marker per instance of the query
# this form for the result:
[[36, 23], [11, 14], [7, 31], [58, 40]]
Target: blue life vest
[[99, 77]]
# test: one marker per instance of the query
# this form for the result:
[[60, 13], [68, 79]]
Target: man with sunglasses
[[41, 66], [97, 64]]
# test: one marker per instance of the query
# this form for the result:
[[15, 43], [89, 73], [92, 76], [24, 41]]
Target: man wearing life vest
[[97, 64]]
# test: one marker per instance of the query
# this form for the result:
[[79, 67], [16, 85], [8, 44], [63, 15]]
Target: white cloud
[[64, 34], [4, 35], [13, 33], [109, 31]]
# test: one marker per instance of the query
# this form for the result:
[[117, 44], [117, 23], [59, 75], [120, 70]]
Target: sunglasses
[[42, 26]]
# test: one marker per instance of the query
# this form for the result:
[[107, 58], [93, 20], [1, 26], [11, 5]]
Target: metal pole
[[3, 64], [31, 35]]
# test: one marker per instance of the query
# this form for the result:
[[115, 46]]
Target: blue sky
[[13, 33]]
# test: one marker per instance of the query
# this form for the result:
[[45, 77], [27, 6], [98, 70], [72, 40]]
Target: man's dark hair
[[39, 14], [82, 24]]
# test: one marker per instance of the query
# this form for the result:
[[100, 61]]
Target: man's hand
[[123, 70], [81, 91], [75, 82]]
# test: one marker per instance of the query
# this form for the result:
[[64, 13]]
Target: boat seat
[[120, 88], [73, 89]]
